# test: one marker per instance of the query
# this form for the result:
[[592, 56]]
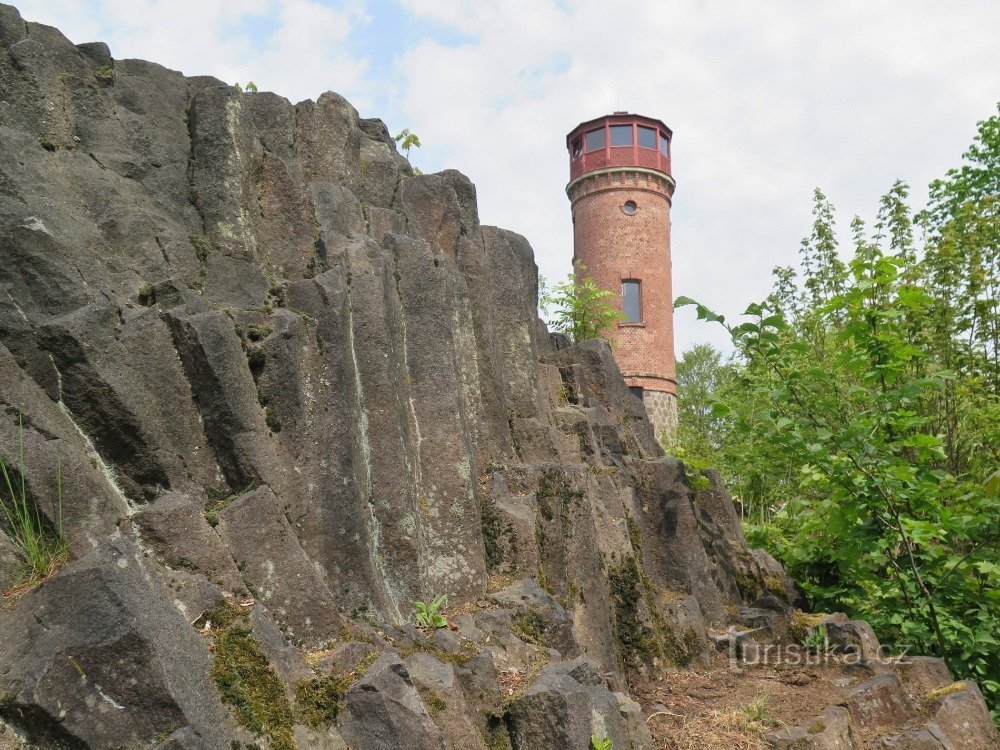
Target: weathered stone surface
[[854, 637], [324, 739], [910, 739], [443, 696], [345, 658], [538, 617], [98, 657], [831, 730], [263, 358], [961, 719], [922, 674], [276, 569], [674, 556], [9, 563], [565, 706], [384, 711], [880, 702], [177, 530]]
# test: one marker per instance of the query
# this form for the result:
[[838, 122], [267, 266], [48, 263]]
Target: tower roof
[[621, 139]]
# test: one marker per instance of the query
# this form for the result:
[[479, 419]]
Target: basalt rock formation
[[277, 389]]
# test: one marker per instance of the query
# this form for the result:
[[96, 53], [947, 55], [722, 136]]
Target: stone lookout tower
[[621, 189]]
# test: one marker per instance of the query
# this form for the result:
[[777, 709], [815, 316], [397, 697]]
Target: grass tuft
[[40, 549]]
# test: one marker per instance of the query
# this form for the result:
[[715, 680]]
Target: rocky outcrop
[[275, 388]]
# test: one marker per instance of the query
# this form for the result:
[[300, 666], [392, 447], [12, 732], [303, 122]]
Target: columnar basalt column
[[621, 190]]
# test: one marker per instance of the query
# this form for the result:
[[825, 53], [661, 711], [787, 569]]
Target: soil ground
[[714, 707]]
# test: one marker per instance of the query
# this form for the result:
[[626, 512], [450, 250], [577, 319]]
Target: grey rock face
[[98, 657], [831, 730], [911, 739], [855, 637], [384, 711], [566, 706], [880, 702], [962, 721]]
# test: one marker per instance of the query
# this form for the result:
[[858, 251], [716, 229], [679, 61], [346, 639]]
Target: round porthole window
[[629, 207]]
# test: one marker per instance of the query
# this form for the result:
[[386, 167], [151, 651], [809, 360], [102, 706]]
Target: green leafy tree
[[860, 421], [701, 378], [578, 307]]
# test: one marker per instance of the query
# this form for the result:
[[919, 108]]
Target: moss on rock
[[318, 701], [245, 679], [635, 638], [531, 627]]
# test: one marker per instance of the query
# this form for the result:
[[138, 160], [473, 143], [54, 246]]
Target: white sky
[[767, 100]]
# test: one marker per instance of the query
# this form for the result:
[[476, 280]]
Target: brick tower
[[620, 188]]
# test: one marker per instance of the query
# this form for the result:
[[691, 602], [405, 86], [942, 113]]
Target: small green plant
[[40, 550], [256, 333], [596, 743], [407, 140], [256, 359], [272, 419], [579, 307], [429, 615], [817, 640], [238, 87], [754, 717], [251, 86]]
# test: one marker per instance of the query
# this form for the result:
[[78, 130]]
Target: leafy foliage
[[598, 743], [578, 307], [859, 424], [701, 375], [407, 140], [429, 614]]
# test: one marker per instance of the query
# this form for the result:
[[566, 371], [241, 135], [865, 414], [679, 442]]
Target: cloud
[[767, 100], [298, 48]]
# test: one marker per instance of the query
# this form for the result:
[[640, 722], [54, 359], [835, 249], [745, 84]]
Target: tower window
[[630, 207], [577, 147], [632, 300], [621, 135], [647, 137], [636, 390], [594, 140], [664, 145]]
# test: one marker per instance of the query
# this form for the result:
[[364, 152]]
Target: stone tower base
[[662, 409]]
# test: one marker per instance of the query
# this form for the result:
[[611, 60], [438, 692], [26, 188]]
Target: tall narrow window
[[664, 145], [632, 300]]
